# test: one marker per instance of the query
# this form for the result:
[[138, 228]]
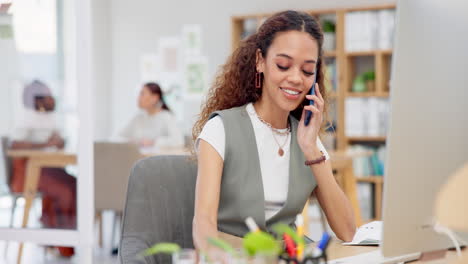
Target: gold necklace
[[277, 131], [281, 146]]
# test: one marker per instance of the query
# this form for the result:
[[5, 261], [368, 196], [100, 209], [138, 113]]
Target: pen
[[289, 243], [322, 245], [253, 227], [300, 233]]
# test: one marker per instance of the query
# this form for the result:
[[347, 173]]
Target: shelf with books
[[385, 51], [383, 61], [370, 8], [360, 53], [377, 182], [369, 52], [361, 72]]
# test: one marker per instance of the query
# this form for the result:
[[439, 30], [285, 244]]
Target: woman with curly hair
[[256, 157]]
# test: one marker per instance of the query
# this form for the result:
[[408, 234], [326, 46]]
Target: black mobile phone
[[311, 102]]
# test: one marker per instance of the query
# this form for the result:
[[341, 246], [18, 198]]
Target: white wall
[[135, 27], [102, 55], [9, 73]]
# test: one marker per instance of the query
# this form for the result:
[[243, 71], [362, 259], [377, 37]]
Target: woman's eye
[[282, 67], [308, 73]]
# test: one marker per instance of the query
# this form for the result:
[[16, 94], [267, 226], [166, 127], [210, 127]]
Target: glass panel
[[38, 119]]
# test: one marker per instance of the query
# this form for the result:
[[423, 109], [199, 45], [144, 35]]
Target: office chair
[[159, 207]]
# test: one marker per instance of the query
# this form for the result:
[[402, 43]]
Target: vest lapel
[[254, 188]]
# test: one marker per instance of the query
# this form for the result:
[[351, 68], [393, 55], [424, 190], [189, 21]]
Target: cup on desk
[[185, 256]]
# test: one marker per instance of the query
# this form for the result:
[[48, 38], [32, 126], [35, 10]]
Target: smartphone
[[311, 102]]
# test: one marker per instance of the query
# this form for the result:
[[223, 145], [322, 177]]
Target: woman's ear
[[259, 61]]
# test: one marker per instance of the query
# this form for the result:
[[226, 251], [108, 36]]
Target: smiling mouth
[[291, 92]]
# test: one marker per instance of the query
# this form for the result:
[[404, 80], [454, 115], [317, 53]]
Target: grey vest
[[242, 185]]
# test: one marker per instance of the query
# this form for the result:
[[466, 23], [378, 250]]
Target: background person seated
[[38, 130], [155, 126]]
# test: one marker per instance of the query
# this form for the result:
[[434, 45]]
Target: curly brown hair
[[234, 85]]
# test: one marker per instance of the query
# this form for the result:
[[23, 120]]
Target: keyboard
[[375, 257]]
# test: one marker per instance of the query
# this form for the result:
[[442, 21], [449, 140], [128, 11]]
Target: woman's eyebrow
[[289, 57]]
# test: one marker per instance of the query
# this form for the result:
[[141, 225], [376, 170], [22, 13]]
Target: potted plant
[[328, 35], [369, 79]]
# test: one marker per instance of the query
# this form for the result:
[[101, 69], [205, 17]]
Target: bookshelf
[[347, 67]]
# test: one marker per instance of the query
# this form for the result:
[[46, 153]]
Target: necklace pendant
[[281, 152]]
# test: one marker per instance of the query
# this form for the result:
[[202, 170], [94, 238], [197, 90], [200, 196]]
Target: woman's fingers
[[317, 91], [312, 108], [318, 102]]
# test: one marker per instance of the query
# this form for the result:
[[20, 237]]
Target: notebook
[[369, 234]]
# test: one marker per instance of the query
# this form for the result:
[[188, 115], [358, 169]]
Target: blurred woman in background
[[38, 130], [155, 126]]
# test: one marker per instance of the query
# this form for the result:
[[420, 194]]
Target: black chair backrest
[[159, 207], [6, 160]]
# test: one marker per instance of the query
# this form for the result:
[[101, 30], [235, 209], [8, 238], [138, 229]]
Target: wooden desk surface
[[165, 151], [33, 153], [336, 251]]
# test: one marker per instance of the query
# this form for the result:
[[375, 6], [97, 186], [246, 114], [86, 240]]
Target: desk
[[336, 251], [165, 151], [38, 159]]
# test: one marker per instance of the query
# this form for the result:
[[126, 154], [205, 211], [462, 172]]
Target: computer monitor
[[428, 136]]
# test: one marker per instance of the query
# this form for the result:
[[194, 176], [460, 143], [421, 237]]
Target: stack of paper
[[368, 30], [367, 235], [386, 22], [366, 117], [367, 160]]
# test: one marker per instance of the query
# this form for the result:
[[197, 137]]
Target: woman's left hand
[[307, 135]]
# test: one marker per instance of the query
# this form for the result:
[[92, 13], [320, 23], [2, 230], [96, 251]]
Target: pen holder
[[307, 259]]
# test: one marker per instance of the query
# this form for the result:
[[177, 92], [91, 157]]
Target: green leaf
[[282, 228], [328, 26], [261, 243], [164, 248], [369, 76], [217, 242]]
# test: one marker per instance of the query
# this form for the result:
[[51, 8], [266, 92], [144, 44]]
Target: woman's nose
[[294, 77]]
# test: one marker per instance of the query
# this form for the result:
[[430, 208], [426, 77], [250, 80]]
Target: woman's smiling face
[[288, 69]]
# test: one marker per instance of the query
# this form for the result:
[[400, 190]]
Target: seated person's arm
[[27, 145], [54, 141], [334, 202], [207, 192]]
